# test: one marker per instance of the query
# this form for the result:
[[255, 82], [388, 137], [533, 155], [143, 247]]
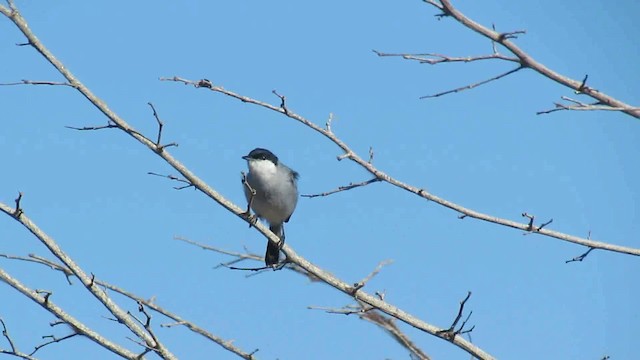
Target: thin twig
[[52, 341], [160, 125], [36, 82], [40, 260], [474, 85], [360, 284], [88, 128], [174, 178], [343, 188], [434, 59], [581, 106], [526, 60], [451, 332]]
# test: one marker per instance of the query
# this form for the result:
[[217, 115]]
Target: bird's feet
[[251, 218]]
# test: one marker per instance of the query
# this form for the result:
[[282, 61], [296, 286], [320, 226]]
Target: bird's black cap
[[261, 154]]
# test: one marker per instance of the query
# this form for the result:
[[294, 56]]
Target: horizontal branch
[[36, 82], [433, 58]]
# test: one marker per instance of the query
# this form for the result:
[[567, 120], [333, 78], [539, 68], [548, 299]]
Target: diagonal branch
[[350, 154], [474, 85], [227, 344], [292, 256], [342, 188], [87, 281], [389, 325], [79, 327], [13, 348], [448, 10]]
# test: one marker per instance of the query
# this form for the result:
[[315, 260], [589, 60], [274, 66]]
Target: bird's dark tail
[[272, 256]]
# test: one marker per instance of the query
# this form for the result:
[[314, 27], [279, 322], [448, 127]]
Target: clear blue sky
[[484, 149]]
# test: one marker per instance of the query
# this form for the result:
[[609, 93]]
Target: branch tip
[[451, 332], [474, 85], [17, 212], [283, 99]]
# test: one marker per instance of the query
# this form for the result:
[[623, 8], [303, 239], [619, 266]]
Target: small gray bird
[[276, 194]]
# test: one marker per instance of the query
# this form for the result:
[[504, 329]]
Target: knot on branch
[[204, 83]]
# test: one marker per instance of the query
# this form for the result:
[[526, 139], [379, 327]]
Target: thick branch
[[292, 256]]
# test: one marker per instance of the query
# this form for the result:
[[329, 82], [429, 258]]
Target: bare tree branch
[[384, 322], [433, 58], [79, 327], [451, 332], [150, 303], [36, 82], [474, 85], [343, 188], [581, 257], [343, 286], [389, 325], [238, 257], [525, 60], [360, 284], [581, 106], [353, 156], [39, 260], [52, 340], [160, 126], [14, 349], [87, 281], [174, 178]]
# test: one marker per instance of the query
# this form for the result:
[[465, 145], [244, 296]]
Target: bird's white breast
[[262, 168]]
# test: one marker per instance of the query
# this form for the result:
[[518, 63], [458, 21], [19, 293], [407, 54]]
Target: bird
[[271, 189]]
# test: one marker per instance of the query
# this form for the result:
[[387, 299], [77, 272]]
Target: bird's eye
[[264, 157]]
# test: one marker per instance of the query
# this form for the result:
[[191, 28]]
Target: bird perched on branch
[[271, 188]]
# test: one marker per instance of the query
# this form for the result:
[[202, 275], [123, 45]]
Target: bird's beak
[[246, 157]]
